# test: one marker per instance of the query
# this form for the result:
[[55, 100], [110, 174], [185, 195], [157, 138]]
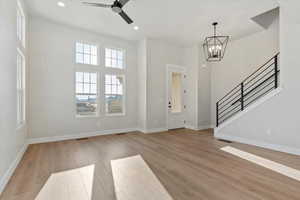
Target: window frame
[[123, 113], [90, 44], [124, 66], [21, 91], [98, 95], [20, 15]]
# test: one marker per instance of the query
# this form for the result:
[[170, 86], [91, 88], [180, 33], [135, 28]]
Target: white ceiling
[[181, 21]]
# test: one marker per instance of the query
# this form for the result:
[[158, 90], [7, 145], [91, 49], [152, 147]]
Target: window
[[86, 93], [114, 58], [86, 54], [20, 88], [114, 95], [20, 24]]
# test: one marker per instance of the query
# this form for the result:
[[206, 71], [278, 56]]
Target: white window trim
[[23, 31], [22, 122], [98, 94], [124, 97], [124, 57], [88, 43]]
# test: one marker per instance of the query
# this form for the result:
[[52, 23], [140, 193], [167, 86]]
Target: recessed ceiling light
[[136, 28], [61, 4]]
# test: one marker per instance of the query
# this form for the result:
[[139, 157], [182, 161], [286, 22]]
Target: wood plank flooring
[[189, 165]]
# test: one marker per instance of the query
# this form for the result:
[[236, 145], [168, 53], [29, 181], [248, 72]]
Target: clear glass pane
[[114, 79], [87, 49], [120, 90], [86, 105], [107, 62], [86, 88], [114, 89], [119, 80], [176, 93], [79, 58], [113, 63], [79, 77], [108, 79], [107, 89], [79, 88], [120, 55], [94, 60], [120, 64], [86, 77], [79, 48], [94, 50], [113, 104], [114, 54], [93, 78], [93, 89], [87, 59], [108, 53]]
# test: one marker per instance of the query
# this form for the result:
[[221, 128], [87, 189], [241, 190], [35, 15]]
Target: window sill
[[86, 117], [115, 115]]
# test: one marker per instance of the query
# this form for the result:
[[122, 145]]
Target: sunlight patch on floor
[[134, 180], [279, 168], [75, 184]]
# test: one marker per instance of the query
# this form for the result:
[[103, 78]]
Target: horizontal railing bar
[[260, 79], [248, 77], [260, 67], [260, 96], [229, 97], [228, 103], [229, 111], [229, 116], [259, 91], [228, 93], [226, 109], [254, 88], [259, 74]]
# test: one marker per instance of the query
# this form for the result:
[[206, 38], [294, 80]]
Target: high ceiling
[[181, 21]]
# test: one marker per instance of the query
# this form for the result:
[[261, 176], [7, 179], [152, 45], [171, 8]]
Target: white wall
[[52, 68], [275, 124], [142, 86], [242, 57], [12, 140]]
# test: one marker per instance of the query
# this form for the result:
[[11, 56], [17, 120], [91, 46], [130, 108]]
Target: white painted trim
[[199, 128], [188, 126], [248, 109], [8, 174], [266, 145], [153, 130], [78, 136]]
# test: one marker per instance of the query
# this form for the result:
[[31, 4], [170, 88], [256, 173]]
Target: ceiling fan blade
[[96, 4], [123, 2], [126, 17]]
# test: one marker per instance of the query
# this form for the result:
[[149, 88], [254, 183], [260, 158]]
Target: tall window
[[114, 58], [114, 95], [20, 24], [86, 93], [86, 54], [20, 88]]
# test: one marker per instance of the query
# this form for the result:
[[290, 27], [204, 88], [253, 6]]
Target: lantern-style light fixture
[[214, 46]]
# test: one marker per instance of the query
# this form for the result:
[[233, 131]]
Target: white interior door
[[175, 97]]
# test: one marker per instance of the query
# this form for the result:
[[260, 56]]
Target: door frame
[[174, 68]]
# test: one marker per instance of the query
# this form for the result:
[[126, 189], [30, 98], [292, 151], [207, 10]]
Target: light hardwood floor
[[188, 164]]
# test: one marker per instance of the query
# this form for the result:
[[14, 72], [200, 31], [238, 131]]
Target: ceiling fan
[[116, 7]]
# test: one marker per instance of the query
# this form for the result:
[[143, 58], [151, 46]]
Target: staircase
[[258, 84]]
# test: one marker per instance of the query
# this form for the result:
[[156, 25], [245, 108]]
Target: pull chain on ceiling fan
[[115, 7]]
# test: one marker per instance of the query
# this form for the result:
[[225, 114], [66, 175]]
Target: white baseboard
[[153, 130], [275, 147], [248, 109], [199, 128], [191, 127], [78, 136], [4, 180]]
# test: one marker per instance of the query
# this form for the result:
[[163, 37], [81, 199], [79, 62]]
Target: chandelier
[[214, 46]]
